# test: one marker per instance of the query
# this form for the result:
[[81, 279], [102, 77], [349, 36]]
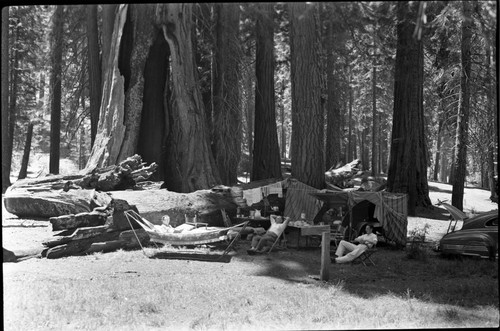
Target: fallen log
[[71, 221], [157, 203], [46, 204], [129, 238], [78, 234], [78, 246], [125, 175]]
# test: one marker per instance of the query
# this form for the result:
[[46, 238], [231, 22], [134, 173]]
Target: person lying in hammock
[[262, 243]]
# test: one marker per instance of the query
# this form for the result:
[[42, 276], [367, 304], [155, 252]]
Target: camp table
[[299, 236]]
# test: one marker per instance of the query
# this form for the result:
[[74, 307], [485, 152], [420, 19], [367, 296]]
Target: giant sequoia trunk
[[56, 90], [333, 155], [94, 68], [190, 162], [266, 157], [307, 113], [6, 155], [408, 160], [226, 111], [457, 195], [111, 128]]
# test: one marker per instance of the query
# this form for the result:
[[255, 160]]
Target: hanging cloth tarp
[[390, 209], [299, 200]]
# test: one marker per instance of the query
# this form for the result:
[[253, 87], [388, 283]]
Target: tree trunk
[[108, 22], [138, 36], [282, 122], [94, 67], [203, 38], [155, 112], [111, 129], [351, 145], [26, 155], [266, 157], [438, 148], [463, 116], [249, 113], [226, 112], [333, 154], [493, 123], [12, 117], [191, 164], [56, 86], [408, 160], [307, 115], [375, 123], [6, 154]]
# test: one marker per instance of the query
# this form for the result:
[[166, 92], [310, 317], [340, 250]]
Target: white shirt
[[277, 228], [369, 240]]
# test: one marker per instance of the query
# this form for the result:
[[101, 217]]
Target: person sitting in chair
[[261, 244], [365, 241]]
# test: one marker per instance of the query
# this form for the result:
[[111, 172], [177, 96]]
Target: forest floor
[[127, 290]]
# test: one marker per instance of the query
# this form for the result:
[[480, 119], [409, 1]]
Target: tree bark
[[493, 123], [94, 67], [266, 157], [108, 22], [375, 122], [111, 129], [461, 141], [6, 155], [191, 164], [12, 116], [226, 112], [26, 155], [56, 89], [408, 160], [333, 155], [307, 115], [138, 36]]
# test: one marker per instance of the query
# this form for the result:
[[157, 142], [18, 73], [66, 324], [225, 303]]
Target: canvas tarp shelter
[[391, 209], [299, 200]]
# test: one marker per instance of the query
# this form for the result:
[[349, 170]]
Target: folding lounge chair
[[365, 257], [279, 242]]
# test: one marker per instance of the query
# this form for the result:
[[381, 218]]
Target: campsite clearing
[[126, 290]]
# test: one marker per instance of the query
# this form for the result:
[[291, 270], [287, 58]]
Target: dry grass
[[125, 290]]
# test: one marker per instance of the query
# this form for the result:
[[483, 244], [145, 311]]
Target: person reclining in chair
[[365, 241], [261, 244]]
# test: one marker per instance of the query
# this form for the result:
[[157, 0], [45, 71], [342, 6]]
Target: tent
[[390, 210]]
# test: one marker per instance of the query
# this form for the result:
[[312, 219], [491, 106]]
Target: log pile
[[104, 229], [62, 195]]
